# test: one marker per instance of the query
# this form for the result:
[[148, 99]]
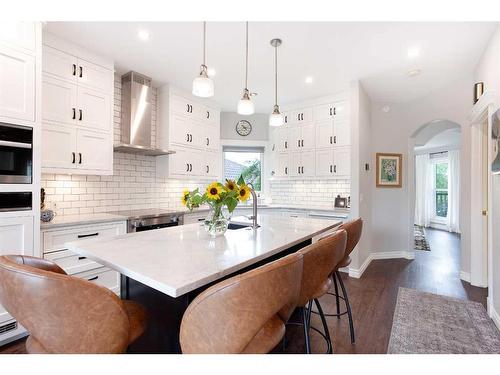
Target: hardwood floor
[[373, 297]]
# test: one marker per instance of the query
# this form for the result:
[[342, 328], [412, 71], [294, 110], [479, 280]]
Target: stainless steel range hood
[[136, 116]]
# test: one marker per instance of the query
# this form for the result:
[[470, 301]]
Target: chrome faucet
[[254, 201]]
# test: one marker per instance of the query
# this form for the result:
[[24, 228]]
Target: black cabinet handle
[[298, 170], [74, 113], [81, 115], [93, 278], [330, 111], [187, 167], [298, 117], [187, 110], [286, 119], [302, 143], [74, 158], [335, 139], [208, 141], [74, 69], [302, 170], [331, 141], [335, 169], [330, 168], [187, 137], [190, 138], [298, 143], [88, 235], [81, 72], [286, 170], [82, 258], [334, 111], [208, 169], [286, 144], [208, 114], [80, 158]]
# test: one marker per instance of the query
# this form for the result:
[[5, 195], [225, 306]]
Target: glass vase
[[217, 221]]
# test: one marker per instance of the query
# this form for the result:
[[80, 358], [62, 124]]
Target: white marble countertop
[[82, 219], [177, 260]]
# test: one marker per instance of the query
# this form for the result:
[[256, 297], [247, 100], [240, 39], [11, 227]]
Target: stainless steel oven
[[16, 154]]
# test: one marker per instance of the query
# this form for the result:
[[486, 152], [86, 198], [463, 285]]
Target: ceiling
[[333, 53]]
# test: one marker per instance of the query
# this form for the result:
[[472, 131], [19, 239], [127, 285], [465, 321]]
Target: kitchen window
[[246, 162]]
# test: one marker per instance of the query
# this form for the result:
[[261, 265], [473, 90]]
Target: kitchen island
[[166, 269]]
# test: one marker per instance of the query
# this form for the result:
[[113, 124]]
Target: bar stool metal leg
[[337, 299], [325, 327], [348, 306], [305, 321]]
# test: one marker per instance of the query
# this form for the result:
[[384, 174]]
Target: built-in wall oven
[[16, 154]]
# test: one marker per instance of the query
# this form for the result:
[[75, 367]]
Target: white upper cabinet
[[302, 116], [282, 138], [341, 133], [282, 165], [302, 137], [17, 87], [192, 130], [324, 134], [77, 110], [94, 109], [342, 162], [302, 164], [18, 35], [324, 162], [287, 118], [323, 112]]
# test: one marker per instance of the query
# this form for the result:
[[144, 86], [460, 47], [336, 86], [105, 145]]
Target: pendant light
[[245, 105], [276, 118], [203, 86]]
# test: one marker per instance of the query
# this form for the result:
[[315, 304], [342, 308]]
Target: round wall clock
[[243, 128]]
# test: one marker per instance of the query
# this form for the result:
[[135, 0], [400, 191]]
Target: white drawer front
[[104, 277], [70, 262], [54, 240]]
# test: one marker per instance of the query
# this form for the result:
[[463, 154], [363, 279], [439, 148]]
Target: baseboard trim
[[494, 316], [358, 272], [465, 276]]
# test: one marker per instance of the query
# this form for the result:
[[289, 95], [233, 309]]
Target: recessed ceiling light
[[413, 52], [413, 72], [386, 109], [309, 79], [211, 72], [143, 35]]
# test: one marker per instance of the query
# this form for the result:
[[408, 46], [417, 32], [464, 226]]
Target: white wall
[[391, 132], [259, 121], [488, 72]]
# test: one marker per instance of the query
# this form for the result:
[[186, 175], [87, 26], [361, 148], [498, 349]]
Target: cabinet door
[[17, 87], [94, 151], [59, 101], [341, 133], [178, 163], [211, 138], [282, 165], [197, 134], [307, 163], [341, 111], [18, 34], [180, 130], [182, 105], [324, 134], [58, 146], [282, 138], [324, 162], [308, 137], [210, 167], [211, 116], [302, 115], [295, 164], [323, 112], [342, 161], [295, 137], [59, 64], [16, 237], [94, 76], [287, 118], [94, 109]]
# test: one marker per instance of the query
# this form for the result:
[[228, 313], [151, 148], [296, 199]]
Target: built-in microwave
[[16, 154]]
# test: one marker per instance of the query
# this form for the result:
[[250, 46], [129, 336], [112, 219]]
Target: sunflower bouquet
[[218, 196]]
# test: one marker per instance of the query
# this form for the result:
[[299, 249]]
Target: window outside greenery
[[441, 189], [247, 164]]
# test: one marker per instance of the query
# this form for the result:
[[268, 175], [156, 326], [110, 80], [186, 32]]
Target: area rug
[[426, 323], [420, 240]]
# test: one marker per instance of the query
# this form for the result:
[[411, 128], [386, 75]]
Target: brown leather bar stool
[[245, 313], [65, 314], [320, 261], [354, 229]]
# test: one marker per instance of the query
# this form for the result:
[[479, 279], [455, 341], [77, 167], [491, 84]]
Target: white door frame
[[481, 275]]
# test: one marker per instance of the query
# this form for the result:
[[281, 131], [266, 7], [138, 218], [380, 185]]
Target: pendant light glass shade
[[245, 105], [203, 86], [276, 118]]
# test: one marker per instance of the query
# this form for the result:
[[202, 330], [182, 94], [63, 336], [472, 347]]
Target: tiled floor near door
[[373, 297]]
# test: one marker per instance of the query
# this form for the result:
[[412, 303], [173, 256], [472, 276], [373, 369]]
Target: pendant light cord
[[246, 59], [276, 75], [204, 41]]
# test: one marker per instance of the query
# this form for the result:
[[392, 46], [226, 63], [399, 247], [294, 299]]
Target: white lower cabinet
[[16, 237], [79, 266]]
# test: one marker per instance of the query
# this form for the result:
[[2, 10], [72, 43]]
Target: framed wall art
[[389, 170]]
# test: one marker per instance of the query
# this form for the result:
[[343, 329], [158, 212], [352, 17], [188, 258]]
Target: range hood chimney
[[136, 116]]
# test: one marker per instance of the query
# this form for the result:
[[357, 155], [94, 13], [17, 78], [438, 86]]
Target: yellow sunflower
[[243, 193], [231, 185], [185, 196], [213, 191]]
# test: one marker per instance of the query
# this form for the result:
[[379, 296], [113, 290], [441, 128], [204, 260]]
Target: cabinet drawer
[[70, 262], [104, 277], [54, 240]]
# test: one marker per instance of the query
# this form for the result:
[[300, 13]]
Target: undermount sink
[[234, 226]]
